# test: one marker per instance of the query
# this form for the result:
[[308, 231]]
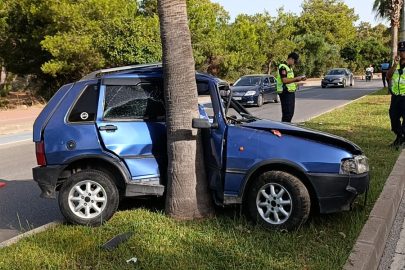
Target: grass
[[226, 241]]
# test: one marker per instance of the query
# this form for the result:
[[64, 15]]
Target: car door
[[132, 125], [266, 89], [273, 87]]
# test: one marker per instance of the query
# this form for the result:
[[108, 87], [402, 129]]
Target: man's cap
[[294, 56], [401, 46]]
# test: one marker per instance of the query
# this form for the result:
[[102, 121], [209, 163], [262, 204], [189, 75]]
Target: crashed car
[[104, 138]]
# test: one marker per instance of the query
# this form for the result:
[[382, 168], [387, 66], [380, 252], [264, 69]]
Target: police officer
[[286, 86], [385, 66], [397, 107]]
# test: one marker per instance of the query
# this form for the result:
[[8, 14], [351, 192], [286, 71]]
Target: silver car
[[338, 77]]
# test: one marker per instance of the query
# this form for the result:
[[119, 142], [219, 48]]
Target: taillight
[[40, 152]]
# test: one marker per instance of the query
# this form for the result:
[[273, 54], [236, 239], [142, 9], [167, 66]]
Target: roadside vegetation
[[54, 42], [228, 240]]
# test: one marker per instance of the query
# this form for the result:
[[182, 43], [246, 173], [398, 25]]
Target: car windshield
[[336, 72], [248, 80]]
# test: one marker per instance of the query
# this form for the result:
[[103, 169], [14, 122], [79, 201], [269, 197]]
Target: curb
[[43, 228], [369, 247]]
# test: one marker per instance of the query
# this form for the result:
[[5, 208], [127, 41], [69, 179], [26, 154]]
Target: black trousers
[[397, 110], [287, 105], [384, 78]]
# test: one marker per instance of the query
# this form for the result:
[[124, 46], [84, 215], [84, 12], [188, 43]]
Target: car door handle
[[108, 127]]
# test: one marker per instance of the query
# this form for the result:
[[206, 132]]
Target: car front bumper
[[336, 83], [247, 100], [46, 177], [338, 192]]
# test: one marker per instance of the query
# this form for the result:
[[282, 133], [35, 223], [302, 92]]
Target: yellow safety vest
[[290, 75], [398, 82]]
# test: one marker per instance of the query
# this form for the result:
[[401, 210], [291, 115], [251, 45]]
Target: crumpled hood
[[289, 129]]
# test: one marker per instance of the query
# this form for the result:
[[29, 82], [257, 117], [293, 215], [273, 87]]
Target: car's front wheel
[[88, 197], [323, 86], [352, 82], [344, 84], [277, 99], [260, 100], [278, 200]]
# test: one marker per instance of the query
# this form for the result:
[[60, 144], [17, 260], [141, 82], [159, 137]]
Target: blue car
[[104, 138]]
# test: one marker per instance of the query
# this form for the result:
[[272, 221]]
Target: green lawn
[[226, 241]]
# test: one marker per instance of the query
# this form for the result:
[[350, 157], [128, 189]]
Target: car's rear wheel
[[278, 200], [260, 100], [88, 197]]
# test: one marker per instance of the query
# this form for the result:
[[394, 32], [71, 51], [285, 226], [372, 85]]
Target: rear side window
[[85, 107], [143, 101]]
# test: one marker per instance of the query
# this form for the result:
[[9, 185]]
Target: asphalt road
[[21, 208]]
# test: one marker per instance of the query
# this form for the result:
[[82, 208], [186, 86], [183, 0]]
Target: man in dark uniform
[[397, 106], [385, 66], [286, 86]]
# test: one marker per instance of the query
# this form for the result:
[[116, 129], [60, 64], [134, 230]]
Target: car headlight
[[250, 93], [356, 165]]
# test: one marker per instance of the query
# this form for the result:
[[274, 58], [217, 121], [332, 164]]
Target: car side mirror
[[203, 123]]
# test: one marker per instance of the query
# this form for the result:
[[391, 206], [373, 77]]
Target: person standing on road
[[397, 106], [286, 86], [385, 66]]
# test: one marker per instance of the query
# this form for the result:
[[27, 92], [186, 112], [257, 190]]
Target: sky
[[363, 8]]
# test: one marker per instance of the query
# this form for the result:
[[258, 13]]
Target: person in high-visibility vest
[[286, 86], [397, 106]]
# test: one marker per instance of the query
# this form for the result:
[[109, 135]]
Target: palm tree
[[390, 9], [187, 194]]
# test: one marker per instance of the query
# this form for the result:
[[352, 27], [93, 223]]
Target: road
[[22, 209]]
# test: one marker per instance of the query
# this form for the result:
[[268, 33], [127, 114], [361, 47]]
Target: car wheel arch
[[278, 165], [107, 165]]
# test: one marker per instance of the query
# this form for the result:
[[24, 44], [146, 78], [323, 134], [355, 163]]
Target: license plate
[[237, 98]]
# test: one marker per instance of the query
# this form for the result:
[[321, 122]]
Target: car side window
[[143, 101], [204, 100], [266, 81], [85, 108], [272, 80]]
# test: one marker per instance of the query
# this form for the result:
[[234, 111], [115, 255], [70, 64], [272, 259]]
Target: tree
[[390, 9], [187, 195], [332, 18]]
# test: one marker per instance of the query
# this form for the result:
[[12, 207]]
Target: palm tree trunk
[[187, 194]]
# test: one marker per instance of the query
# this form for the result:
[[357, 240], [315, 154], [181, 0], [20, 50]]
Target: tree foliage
[[59, 41]]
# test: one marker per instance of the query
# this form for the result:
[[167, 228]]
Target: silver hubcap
[[274, 203], [87, 199]]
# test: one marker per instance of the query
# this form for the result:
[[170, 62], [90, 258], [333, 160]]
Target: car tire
[[323, 86], [277, 99], [352, 82], [260, 100], [88, 197], [278, 200], [344, 84]]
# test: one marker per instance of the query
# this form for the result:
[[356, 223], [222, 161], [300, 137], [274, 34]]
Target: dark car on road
[[103, 138], [255, 89], [338, 77]]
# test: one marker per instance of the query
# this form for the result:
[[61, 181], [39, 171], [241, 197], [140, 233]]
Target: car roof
[[141, 70], [257, 75]]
